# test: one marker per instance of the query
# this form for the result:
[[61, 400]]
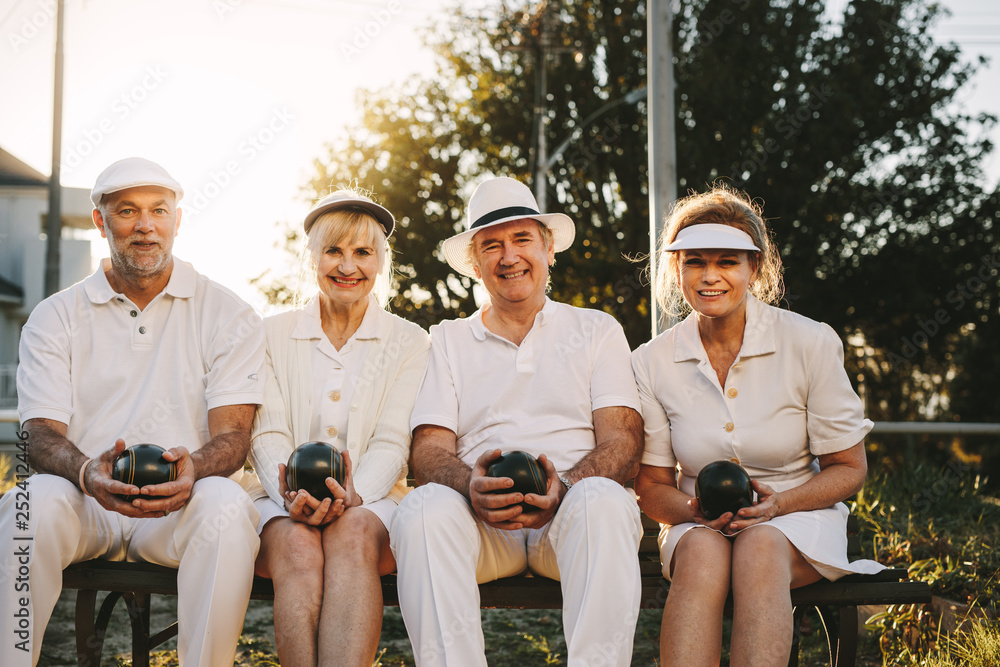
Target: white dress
[[786, 401]]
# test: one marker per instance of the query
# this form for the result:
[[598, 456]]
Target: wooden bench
[[134, 583]]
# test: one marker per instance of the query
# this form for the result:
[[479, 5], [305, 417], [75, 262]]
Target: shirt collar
[[308, 324], [182, 283], [758, 336], [542, 317]]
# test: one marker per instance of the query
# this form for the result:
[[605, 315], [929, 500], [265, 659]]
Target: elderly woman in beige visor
[[739, 379]]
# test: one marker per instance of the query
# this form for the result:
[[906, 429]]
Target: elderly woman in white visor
[[344, 371], [741, 380]]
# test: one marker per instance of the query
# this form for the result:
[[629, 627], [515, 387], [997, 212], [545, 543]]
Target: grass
[[941, 524], [6, 473]]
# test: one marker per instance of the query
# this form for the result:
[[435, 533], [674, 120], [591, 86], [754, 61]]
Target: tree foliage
[[847, 127]]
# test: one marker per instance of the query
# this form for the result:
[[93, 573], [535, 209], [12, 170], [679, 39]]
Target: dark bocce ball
[[142, 465], [524, 469], [723, 486], [309, 466]]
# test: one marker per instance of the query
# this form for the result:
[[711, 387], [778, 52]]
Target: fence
[[916, 428]]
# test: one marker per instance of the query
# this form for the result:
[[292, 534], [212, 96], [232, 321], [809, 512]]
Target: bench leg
[[90, 631], [847, 638], [88, 645], [138, 613]]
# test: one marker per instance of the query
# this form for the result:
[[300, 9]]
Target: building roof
[[76, 204], [9, 292], [15, 172]]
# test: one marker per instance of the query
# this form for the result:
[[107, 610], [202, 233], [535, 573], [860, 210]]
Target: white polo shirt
[[89, 358], [787, 399], [538, 397]]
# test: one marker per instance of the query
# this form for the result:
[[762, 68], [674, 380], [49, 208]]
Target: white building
[[24, 201]]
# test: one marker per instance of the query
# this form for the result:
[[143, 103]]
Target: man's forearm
[[222, 456], [443, 468], [436, 461], [229, 427], [50, 452], [619, 447]]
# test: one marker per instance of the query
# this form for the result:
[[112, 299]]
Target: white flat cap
[[133, 172]]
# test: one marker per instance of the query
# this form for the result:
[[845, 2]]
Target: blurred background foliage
[[847, 127]]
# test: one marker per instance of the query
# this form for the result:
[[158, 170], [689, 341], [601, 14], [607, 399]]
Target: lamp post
[[660, 123], [53, 223]]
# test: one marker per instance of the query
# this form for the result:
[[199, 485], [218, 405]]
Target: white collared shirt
[[787, 399], [335, 372], [91, 359], [539, 396]]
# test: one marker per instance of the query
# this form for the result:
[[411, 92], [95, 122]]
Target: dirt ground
[[59, 646], [514, 638]]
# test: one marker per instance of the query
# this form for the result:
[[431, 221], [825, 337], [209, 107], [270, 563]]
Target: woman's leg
[[356, 547], [291, 555], [691, 633], [765, 567]]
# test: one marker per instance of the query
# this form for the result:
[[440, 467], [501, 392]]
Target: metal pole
[[53, 224], [937, 428], [662, 152], [541, 158]]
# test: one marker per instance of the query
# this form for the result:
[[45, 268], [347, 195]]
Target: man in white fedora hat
[[522, 373], [145, 350]]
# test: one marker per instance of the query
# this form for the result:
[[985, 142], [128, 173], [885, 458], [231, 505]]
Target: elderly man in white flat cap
[[522, 373], [145, 350]]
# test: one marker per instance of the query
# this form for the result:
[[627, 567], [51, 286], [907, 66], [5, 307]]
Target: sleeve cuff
[[618, 402], [242, 398], [55, 414], [843, 442], [433, 420], [658, 460]]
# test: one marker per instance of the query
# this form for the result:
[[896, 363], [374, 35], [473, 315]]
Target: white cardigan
[[378, 433]]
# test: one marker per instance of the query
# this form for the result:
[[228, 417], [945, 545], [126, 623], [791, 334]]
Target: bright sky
[[236, 98]]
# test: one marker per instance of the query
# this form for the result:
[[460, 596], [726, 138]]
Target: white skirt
[[819, 535]]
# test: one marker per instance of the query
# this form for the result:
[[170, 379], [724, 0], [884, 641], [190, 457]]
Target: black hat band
[[501, 213]]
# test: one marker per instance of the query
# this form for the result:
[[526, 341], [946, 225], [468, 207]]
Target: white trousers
[[212, 542], [443, 550]]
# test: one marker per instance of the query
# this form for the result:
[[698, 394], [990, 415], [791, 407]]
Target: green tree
[[845, 126]]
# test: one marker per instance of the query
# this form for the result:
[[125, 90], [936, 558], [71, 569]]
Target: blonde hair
[[349, 225], [725, 206]]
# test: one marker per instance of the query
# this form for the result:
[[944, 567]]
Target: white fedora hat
[[350, 199], [710, 235], [498, 201]]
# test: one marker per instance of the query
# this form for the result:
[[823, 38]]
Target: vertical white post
[[53, 225], [662, 151]]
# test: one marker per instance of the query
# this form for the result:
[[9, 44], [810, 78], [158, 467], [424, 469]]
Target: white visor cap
[[711, 235]]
